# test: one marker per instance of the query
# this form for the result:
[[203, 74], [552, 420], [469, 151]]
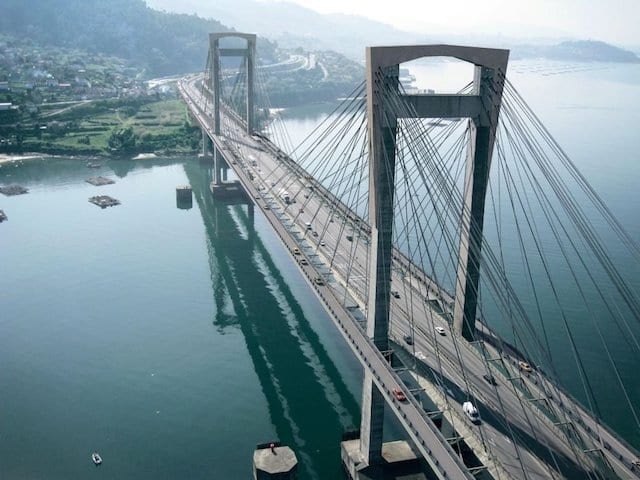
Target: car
[[314, 233], [322, 244], [395, 294], [296, 251], [408, 339], [399, 394], [525, 367], [318, 281], [471, 412], [490, 379], [441, 331], [303, 261]]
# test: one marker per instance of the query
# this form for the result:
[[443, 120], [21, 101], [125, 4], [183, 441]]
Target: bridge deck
[[259, 166]]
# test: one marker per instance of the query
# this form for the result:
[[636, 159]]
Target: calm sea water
[[174, 340], [171, 341]]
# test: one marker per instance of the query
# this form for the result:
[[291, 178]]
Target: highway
[[517, 438]]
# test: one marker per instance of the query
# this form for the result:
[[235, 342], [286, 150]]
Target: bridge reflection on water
[[309, 400]]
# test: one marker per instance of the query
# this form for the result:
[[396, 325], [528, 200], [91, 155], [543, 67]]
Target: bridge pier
[[217, 169], [206, 145], [397, 460]]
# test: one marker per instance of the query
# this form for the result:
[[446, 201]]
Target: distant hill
[[292, 25], [581, 51], [164, 43]]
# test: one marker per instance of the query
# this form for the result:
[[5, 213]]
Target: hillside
[[295, 26], [163, 43], [580, 51]]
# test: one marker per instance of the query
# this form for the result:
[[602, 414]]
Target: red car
[[399, 394]]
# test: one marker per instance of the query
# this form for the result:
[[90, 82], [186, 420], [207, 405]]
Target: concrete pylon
[[249, 55], [482, 107]]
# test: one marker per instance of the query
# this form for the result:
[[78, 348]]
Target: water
[[172, 341]]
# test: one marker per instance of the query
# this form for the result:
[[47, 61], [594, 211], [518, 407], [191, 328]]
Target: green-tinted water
[[171, 341]]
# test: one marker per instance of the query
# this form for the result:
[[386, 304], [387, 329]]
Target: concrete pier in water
[[274, 461]]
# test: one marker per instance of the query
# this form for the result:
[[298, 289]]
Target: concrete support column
[[471, 227], [488, 85], [372, 421], [214, 46], [382, 155], [217, 166], [250, 63], [205, 143]]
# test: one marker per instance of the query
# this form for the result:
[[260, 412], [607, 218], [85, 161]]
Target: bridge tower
[[482, 107], [249, 55]]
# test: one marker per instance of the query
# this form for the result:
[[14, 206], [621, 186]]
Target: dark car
[[490, 379], [408, 339]]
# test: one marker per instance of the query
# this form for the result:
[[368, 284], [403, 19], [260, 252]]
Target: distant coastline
[[577, 51]]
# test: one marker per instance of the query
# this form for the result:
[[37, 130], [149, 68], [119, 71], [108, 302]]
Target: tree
[[122, 140]]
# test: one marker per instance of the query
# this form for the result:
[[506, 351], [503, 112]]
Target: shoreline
[[6, 158]]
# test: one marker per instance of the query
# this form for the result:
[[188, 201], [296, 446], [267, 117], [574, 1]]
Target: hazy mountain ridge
[[580, 50], [292, 26], [165, 43]]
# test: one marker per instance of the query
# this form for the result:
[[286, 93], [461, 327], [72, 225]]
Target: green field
[[114, 127]]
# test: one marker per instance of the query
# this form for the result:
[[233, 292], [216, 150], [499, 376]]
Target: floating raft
[[104, 201], [99, 181], [13, 190], [3, 216]]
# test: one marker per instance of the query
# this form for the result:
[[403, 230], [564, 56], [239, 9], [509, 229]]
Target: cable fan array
[[545, 265]]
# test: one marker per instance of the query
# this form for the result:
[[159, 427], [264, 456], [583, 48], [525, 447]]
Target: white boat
[[97, 459]]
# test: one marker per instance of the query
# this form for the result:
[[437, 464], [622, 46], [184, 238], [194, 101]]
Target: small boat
[[97, 459]]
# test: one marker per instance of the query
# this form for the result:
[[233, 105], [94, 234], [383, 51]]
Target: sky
[[614, 21]]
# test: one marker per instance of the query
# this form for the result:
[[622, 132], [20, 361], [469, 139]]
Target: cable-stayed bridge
[[384, 213]]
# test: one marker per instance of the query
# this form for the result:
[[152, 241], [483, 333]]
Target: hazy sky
[[615, 21]]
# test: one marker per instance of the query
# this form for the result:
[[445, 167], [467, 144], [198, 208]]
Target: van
[[471, 411]]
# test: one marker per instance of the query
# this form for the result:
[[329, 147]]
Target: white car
[[471, 411], [441, 331]]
